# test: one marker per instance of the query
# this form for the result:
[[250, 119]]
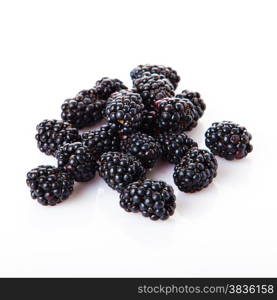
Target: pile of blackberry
[[144, 124]]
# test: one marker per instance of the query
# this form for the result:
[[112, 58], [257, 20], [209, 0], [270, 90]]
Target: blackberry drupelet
[[168, 72], [106, 86], [228, 140], [154, 199], [149, 122], [142, 146], [52, 134], [123, 111], [199, 106], [49, 185], [76, 159], [175, 146], [83, 110], [119, 169], [195, 171], [102, 140], [173, 114], [153, 87]]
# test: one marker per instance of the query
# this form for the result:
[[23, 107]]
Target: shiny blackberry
[[173, 114], [195, 171], [52, 134], [199, 106], [76, 159], [167, 72], [142, 146], [228, 140], [175, 146], [49, 185], [83, 110], [91, 93], [153, 87], [119, 169], [102, 140], [123, 111], [154, 199], [106, 86]]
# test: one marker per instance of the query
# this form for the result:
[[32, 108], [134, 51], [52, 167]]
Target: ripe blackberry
[[83, 110], [149, 122], [167, 72], [195, 171], [142, 146], [52, 134], [174, 114], [228, 140], [153, 87], [77, 160], [175, 146], [119, 169], [102, 140], [106, 86], [123, 111], [49, 185], [199, 106], [91, 93], [154, 199]]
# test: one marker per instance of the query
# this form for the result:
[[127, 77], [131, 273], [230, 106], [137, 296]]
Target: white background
[[226, 50]]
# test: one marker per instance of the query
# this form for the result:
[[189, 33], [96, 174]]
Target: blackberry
[[142, 146], [228, 140], [154, 199], [102, 140], [49, 185], [119, 169], [77, 160], [175, 146], [153, 87], [123, 111], [52, 134], [83, 110], [199, 106], [169, 73], [195, 171], [149, 122], [106, 86], [173, 114], [91, 93]]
